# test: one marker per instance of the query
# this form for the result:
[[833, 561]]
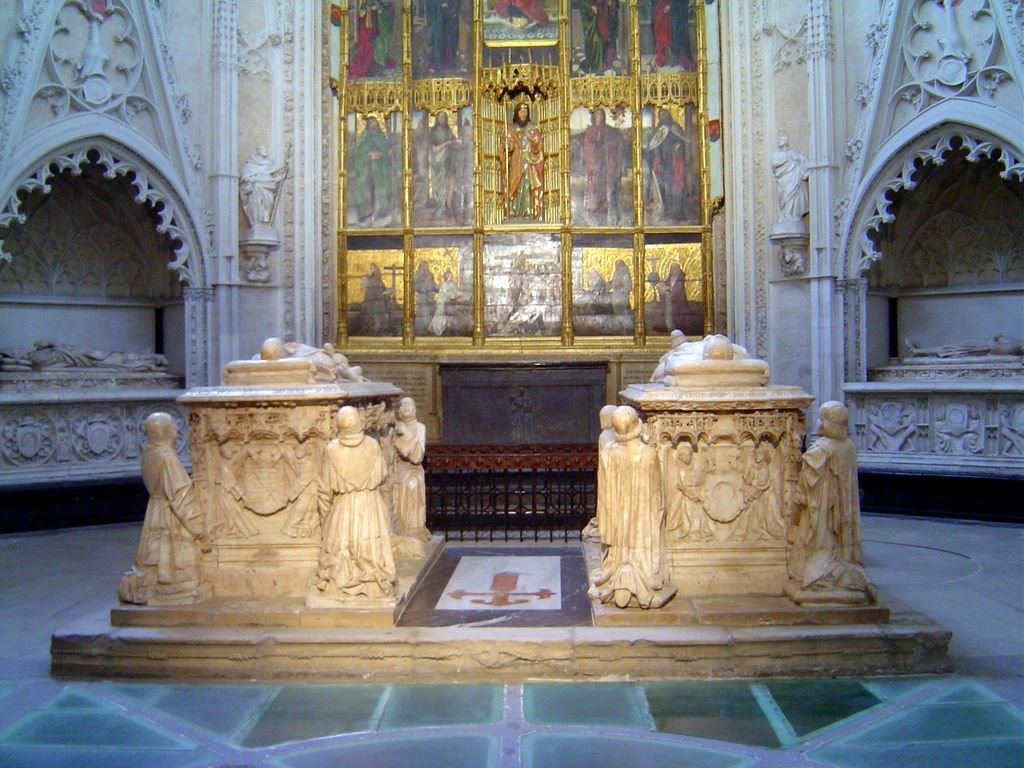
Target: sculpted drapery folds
[[410, 489], [168, 567], [522, 167], [631, 520], [355, 548]]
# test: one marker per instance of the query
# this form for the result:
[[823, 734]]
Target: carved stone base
[[830, 596], [726, 568]]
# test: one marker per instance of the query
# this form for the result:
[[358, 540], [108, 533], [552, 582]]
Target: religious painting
[[441, 38], [600, 45], [375, 40], [442, 283], [374, 283], [674, 289], [667, 36], [374, 171], [527, 161], [602, 166], [602, 287], [520, 22], [442, 168], [671, 165], [522, 286]]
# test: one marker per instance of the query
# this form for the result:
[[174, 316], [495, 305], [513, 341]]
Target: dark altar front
[[521, 403]]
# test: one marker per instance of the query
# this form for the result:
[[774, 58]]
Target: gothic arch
[[156, 185]]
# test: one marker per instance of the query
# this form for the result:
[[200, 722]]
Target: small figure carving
[[606, 438], [259, 184], [355, 546], [229, 517], [327, 363], [826, 553], [410, 491], [790, 169], [168, 567], [631, 520]]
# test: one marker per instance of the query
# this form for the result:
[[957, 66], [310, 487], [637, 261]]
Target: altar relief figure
[[168, 564], [410, 492], [355, 548], [826, 557], [631, 520]]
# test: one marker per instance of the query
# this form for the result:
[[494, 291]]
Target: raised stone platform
[[716, 640]]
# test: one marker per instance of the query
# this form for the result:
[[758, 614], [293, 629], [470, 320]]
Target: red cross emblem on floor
[[502, 592]]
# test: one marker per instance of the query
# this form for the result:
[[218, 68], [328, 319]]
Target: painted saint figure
[[410, 489], [600, 19], [670, 28], [525, 12], [665, 155], [827, 559], [443, 171], [355, 547], [372, 178], [168, 564], [446, 293], [375, 23], [631, 520], [522, 167], [442, 18], [603, 151]]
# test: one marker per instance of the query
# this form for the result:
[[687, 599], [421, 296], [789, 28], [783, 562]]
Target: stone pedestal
[[730, 462], [256, 454]]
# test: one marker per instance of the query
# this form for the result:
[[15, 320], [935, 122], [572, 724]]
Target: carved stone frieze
[[95, 436]]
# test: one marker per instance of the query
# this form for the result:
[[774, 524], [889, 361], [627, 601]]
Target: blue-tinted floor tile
[[1004, 753], [220, 710], [810, 705], [418, 706], [86, 728], [945, 722], [966, 693], [890, 688], [726, 711], [553, 750], [77, 757], [443, 751], [609, 705], [72, 698], [300, 712]]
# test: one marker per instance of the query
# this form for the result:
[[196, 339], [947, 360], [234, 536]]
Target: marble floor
[[967, 576]]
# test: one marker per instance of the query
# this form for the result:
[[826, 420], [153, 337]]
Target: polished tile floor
[[966, 576]]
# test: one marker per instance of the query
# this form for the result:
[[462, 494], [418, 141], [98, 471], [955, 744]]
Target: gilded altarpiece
[[539, 169]]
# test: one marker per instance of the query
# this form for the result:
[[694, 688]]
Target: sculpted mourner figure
[[410, 490], [828, 560], [168, 566]]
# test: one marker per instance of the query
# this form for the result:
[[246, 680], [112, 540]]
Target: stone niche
[[730, 452]]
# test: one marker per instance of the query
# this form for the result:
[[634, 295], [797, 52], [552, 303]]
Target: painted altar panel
[[375, 40], [441, 38], [374, 171], [600, 44], [602, 166], [374, 288], [520, 22], [667, 36], [673, 290], [671, 171], [602, 288], [442, 167], [443, 287], [522, 286]]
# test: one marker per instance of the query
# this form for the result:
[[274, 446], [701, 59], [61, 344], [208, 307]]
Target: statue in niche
[[258, 186], [607, 436], [603, 149], [48, 355], [826, 557], [168, 564], [355, 545], [410, 489], [326, 363], [790, 170], [522, 167], [229, 514], [631, 520]]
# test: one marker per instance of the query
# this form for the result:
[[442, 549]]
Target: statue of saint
[[410, 489], [258, 186], [631, 520], [522, 167], [790, 169], [355, 544], [826, 558], [168, 564]]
